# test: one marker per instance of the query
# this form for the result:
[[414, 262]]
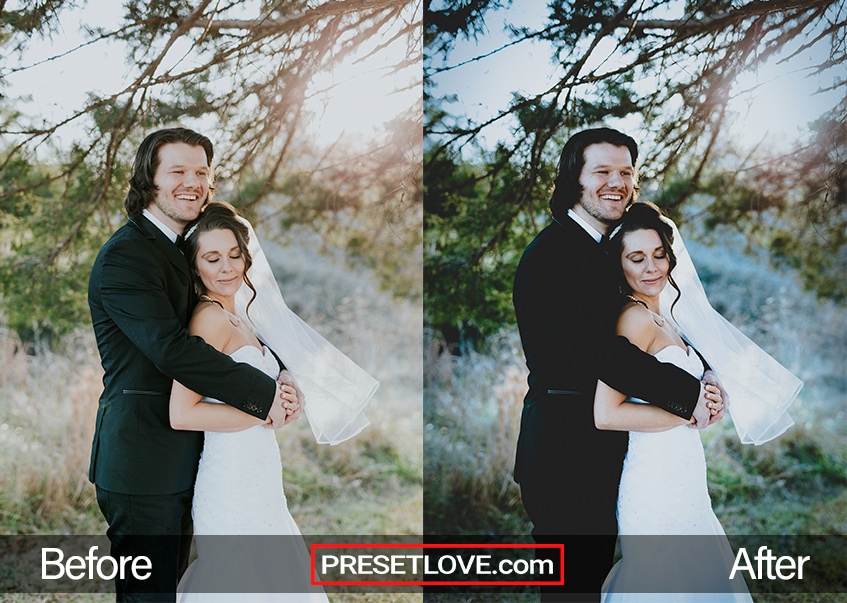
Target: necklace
[[657, 318], [233, 319]]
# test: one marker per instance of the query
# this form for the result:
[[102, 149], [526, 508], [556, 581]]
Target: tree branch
[[332, 8], [755, 8]]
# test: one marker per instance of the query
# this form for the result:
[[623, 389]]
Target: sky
[[51, 89], [354, 99], [775, 103]]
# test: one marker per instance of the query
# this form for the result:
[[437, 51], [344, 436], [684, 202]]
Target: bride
[[247, 541], [663, 490]]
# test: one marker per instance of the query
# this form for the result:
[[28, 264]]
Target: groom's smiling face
[[182, 180], [608, 180]]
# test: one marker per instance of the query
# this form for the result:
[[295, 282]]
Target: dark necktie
[[604, 244]]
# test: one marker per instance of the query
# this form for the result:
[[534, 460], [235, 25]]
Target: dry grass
[[46, 424], [472, 406]]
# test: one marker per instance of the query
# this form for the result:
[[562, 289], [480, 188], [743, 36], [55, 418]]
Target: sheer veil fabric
[[335, 388], [760, 389]]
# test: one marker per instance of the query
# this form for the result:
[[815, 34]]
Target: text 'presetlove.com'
[[437, 565]]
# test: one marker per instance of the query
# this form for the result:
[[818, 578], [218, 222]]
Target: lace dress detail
[[663, 492], [239, 493]]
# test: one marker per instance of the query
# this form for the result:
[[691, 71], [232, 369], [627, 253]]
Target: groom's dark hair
[[142, 190], [567, 189]]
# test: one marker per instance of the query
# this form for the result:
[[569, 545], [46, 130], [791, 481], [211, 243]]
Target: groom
[[141, 299], [567, 303]]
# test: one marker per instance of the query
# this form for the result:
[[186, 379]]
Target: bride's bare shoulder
[[636, 324], [212, 324]]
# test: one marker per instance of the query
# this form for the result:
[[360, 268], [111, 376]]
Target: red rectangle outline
[[317, 582]]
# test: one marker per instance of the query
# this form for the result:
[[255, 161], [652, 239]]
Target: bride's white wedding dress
[[243, 530], [663, 493]]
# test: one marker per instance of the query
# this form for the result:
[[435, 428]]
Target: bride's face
[[220, 262], [645, 262]]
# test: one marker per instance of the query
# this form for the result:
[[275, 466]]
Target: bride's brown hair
[[218, 215]]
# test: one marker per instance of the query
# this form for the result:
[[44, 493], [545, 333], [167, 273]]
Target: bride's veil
[[760, 389], [335, 388]]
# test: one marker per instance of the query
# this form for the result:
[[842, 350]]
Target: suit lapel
[[569, 229], [597, 263], [572, 229], [158, 238]]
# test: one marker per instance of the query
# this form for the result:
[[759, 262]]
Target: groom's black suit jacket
[[141, 300], [567, 302]]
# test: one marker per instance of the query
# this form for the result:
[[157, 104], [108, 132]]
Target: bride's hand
[[713, 394], [290, 401], [292, 404], [286, 407], [701, 414], [717, 406], [278, 412], [286, 378], [295, 400]]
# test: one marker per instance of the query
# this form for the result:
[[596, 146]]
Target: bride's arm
[[611, 410], [187, 410]]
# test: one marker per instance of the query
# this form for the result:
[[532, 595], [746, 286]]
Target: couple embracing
[[609, 352], [194, 337]]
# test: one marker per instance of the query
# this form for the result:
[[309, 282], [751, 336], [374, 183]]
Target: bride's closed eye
[[640, 258], [232, 257]]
